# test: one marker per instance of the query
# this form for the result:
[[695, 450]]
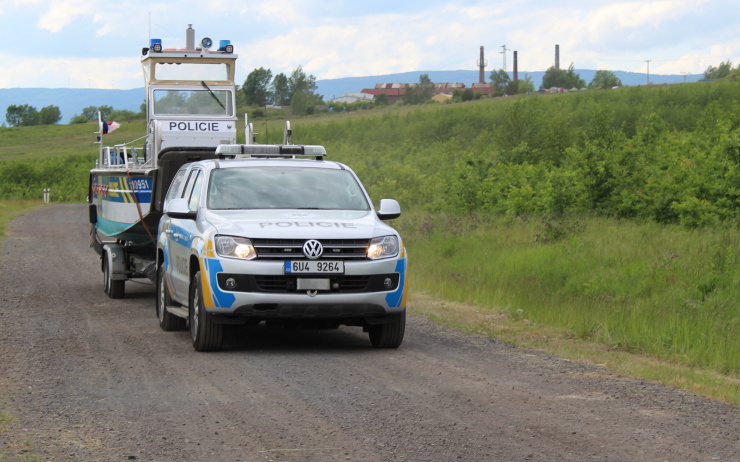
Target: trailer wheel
[[114, 289], [167, 320], [206, 334], [388, 335]]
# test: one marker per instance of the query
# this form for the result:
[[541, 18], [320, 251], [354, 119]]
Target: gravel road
[[88, 378]]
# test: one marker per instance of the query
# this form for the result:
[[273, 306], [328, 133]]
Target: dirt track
[[94, 379]]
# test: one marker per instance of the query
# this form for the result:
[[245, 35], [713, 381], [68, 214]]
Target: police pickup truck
[[275, 233]]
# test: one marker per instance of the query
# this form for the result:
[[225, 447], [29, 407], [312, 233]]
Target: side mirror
[[178, 208], [389, 209]]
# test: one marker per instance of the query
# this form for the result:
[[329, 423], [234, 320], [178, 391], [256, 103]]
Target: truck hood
[[298, 224]]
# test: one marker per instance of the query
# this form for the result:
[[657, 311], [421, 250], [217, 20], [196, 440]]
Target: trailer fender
[[116, 258]]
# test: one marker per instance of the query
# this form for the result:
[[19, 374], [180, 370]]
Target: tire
[[167, 321], [206, 334], [388, 335], [114, 289]]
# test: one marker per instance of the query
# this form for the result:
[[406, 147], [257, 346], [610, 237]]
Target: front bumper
[[261, 289]]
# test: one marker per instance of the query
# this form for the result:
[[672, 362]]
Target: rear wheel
[[167, 320], [388, 335], [114, 289], [206, 334]]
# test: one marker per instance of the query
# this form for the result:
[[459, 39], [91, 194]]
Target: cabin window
[[193, 102]]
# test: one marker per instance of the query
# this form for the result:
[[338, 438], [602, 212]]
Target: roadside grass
[[645, 300], [11, 208]]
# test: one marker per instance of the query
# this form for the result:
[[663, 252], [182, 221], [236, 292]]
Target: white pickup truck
[[259, 234]]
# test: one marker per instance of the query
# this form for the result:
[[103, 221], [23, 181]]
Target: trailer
[[190, 109]]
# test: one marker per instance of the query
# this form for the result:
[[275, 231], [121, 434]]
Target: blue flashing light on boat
[[155, 45], [225, 45]]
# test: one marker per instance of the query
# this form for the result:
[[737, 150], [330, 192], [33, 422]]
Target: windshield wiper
[[213, 94]]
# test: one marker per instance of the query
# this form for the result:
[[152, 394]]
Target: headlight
[[235, 247], [383, 247]]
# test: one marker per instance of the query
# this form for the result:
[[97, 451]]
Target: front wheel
[[205, 333], [388, 335], [167, 320]]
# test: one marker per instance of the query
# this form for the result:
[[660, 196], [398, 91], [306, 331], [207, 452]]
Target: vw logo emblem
[[313, 249]]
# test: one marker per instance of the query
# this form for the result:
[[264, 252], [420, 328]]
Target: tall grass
[[667, 292]]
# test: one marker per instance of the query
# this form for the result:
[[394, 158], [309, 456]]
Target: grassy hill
[[601, 224]]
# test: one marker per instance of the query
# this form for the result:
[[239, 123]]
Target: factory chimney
[[482, 65], [516, 66], [557, 57]]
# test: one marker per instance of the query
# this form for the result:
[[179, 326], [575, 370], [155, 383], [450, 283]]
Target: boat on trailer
[[190, 109]]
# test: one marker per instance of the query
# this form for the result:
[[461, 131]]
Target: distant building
[[395, 91], [352, 97]]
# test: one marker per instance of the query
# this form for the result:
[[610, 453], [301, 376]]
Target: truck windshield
[[285, 188], [193, 102]]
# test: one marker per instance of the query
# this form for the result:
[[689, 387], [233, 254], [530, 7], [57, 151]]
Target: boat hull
[[123, 201]]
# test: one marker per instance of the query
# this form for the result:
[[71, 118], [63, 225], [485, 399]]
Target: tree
[[21, 115], [302, 91], [299, 81], [257, 87], [420, 92], [90, 113], [723, 70], [499, 81], [280, 91], [526, 85], [381, 99], [605, 79], [50, 115], [563, 79]]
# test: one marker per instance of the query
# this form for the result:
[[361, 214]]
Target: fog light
[[388, 283], [231, 283]]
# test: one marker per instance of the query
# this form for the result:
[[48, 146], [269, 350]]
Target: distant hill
[[71, 101]]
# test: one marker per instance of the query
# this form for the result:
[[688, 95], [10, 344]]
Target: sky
[[95, 44]]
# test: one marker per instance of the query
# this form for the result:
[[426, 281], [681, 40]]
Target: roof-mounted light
[[314, 150], [229, 149], [270, 150], [225, 45], [155, 45], [206, 43], [260, 150]]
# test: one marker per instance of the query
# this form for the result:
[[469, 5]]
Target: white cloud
[[119, 73], [61, 13]]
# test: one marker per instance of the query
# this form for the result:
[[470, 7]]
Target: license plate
[[313, 267]]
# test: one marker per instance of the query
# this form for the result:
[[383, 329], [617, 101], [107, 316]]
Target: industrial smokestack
[[481, 66], [557, 57], [516, 66]]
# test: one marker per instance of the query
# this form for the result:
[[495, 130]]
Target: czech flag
[[109, 126]]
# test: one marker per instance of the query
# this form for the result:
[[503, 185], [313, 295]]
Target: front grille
[[286, 284], [334, 249]]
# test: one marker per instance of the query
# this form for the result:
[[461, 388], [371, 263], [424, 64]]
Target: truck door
[[180, 238]]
